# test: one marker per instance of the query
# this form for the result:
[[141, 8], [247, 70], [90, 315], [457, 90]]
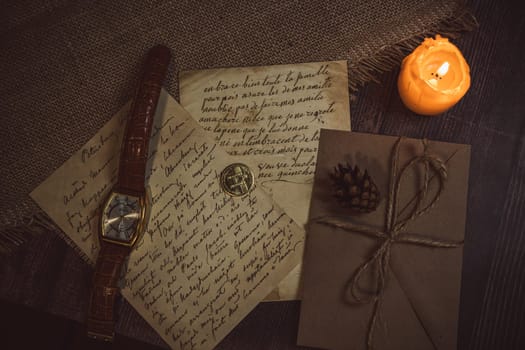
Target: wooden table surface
[[44, 287]]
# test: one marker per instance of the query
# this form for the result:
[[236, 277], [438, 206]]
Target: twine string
[[394, 230]]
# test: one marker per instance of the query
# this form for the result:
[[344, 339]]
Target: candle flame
[[440, 72], [443, 69]]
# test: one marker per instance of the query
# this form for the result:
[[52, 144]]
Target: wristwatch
[[123, 214]]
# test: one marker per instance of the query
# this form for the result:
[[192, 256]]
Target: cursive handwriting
[[275, 111], [212, 251], [206, 258]]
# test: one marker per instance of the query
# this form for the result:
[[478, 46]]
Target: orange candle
[[434, 77]]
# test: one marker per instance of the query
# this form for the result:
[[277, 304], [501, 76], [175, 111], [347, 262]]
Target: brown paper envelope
[[419, 308]]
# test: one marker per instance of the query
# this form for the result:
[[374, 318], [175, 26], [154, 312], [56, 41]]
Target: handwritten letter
[[72, 195], [206, 258], [272, 116]]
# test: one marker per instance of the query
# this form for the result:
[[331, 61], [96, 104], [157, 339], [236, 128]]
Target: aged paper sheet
[[206, 258], [271, 116]]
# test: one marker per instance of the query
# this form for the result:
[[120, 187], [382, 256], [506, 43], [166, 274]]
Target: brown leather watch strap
[[101, 313], [134, 153], [132, 169]]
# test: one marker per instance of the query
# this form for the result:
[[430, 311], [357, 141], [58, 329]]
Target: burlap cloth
[[68, 66]]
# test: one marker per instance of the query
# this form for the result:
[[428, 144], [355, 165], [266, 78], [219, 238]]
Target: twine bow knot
[[394, 229]]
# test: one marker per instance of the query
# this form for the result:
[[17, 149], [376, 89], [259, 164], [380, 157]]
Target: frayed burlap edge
[[371, 67], [13, 237]]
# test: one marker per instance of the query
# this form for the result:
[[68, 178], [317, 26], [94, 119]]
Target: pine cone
[[354, 189]]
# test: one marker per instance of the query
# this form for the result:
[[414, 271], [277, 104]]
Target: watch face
[[121, 217]]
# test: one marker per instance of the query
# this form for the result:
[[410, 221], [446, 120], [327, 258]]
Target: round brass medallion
[[237, 179]]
